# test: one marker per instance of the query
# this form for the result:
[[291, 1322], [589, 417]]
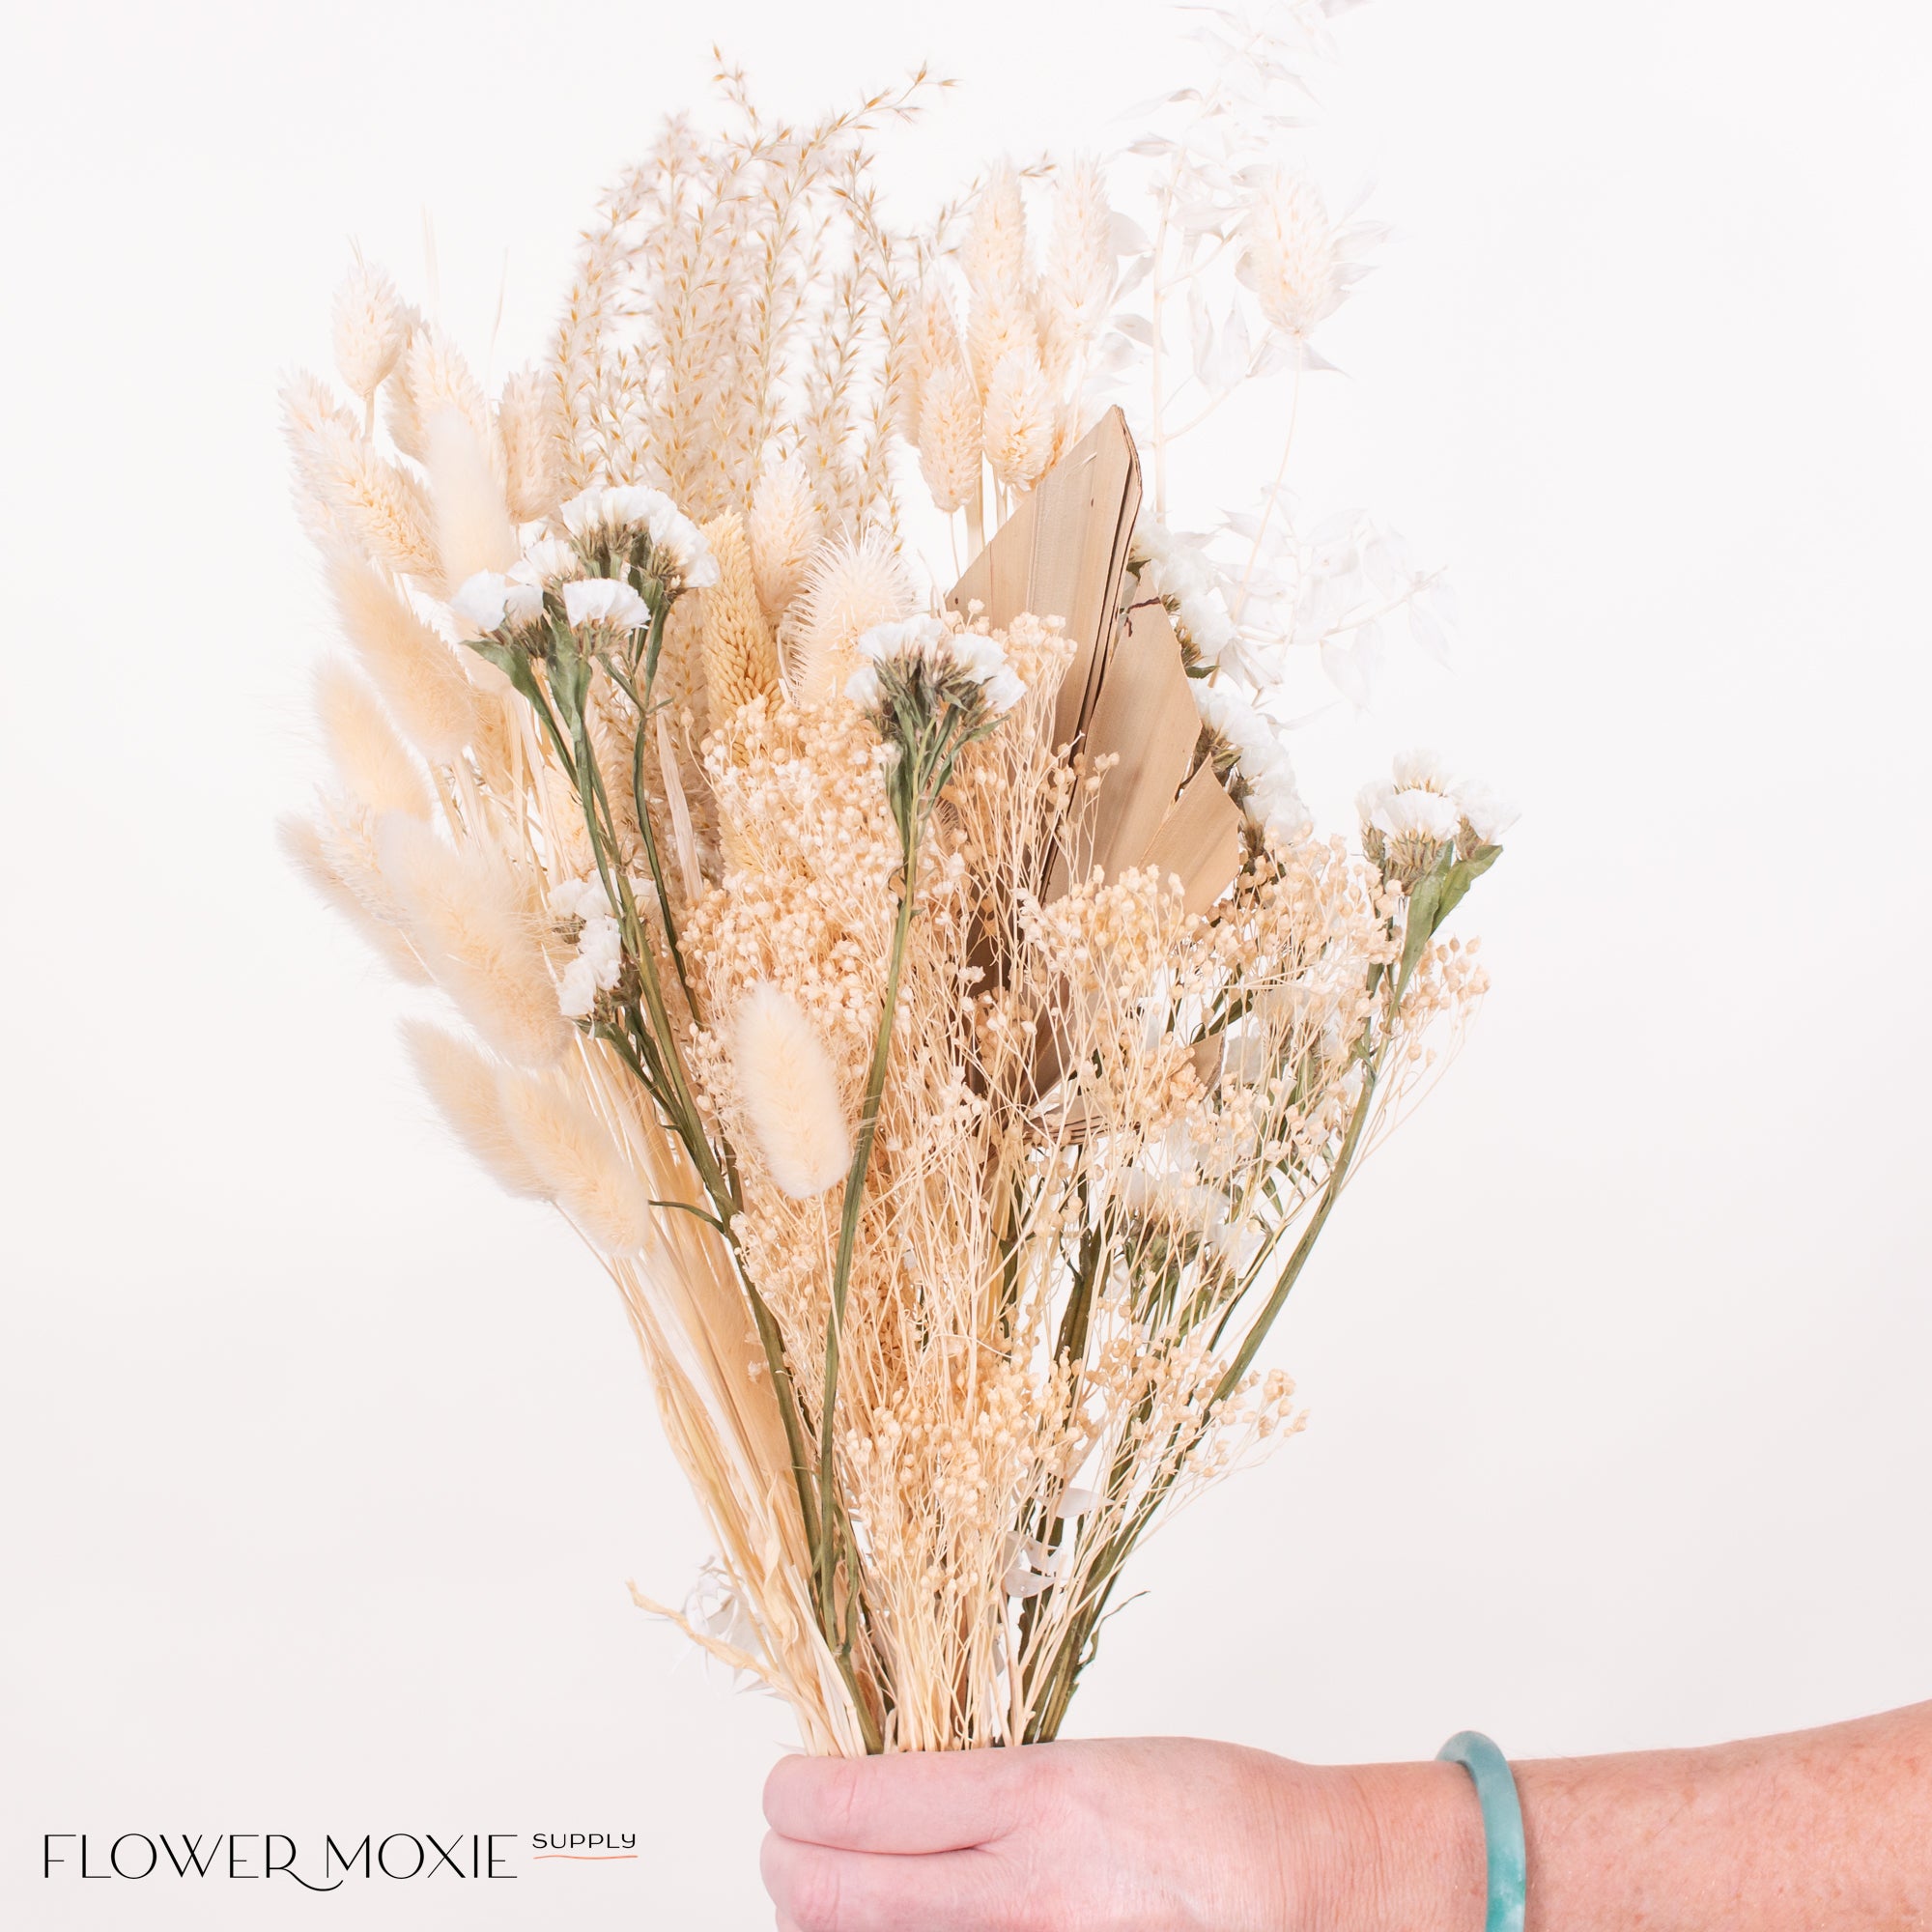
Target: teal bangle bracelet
[[1502, 1826]]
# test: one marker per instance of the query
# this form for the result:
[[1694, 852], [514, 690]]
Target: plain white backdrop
[[325, 1466]]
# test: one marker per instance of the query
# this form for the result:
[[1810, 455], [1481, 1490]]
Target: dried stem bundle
[[953, 1042]]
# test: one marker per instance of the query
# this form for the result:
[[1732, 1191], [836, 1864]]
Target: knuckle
[[812, 1894], [844, 1797]]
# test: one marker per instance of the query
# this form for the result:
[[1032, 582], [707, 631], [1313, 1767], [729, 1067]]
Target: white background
[[325, 1466]]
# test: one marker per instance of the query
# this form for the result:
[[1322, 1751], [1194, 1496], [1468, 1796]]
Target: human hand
[[1149, 1835]]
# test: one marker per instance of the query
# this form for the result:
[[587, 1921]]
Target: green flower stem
[[848, 1220]]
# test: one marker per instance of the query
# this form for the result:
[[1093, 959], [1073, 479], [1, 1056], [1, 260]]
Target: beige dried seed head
[[784, 528], [950, 432], [741, 660], [1019, 420], [849, 587], [532, 449], [371, 326]]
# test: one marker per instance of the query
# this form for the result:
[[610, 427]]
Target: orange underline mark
[[586, 1857]]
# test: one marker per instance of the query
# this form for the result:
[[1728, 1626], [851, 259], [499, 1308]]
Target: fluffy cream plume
[[526, 422], [1000, 315], [949, 433], [783, 528], [349, 493], [741, 661], [790, 1094], [995, 247], [472, 920], [1290, 260], [930, 343], [473, 531], [419, 676], [312, 418], [463, 1084], [432, 374], [377, 769], [310, 409], [1078, 279], [370, 329], [1019, 420], [307, 849], [577, 1162], [849, 587]]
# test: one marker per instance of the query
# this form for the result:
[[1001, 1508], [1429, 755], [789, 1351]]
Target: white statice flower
[[522, 600], [631, 507], [907, 638], [1417, 814], [1486, 814], [1422, 806], [943, 649], [547, 560], [1177, 568], [607, 601], [481, 600], [489, 599], [1421, 769], [599, 962], [579, 898], [1001, 692], [1273, 804]]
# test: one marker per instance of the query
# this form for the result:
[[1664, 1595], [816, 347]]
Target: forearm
[[1828, 1827]]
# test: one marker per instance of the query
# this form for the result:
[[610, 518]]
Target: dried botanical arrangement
[[935, 1005]]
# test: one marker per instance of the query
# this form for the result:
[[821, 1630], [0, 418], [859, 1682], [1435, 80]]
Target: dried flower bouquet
[[939, 1014]]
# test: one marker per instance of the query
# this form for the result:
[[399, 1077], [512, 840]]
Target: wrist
[[1386, 1848]]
